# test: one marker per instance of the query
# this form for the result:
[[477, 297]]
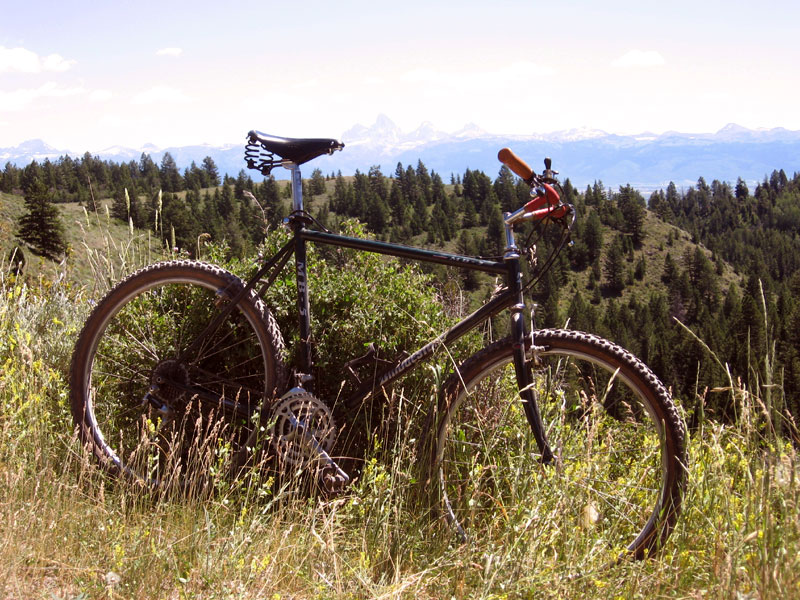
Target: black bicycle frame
[[509, 298]]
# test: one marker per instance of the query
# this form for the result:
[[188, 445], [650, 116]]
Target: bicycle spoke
[[150, 416]]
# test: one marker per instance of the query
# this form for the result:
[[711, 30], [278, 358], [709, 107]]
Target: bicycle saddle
[[297, 151]]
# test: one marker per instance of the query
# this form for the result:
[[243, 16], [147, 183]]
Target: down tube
[[488, 310], [303, 312]]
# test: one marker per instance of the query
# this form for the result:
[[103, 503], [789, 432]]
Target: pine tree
[[9, 178], [741, 189], [377, 214], [631, 203], [171, 180], [641, 268], [593, 235], [211, 172], [317, 184], [495, 230], [505, 189], [670, 272], [424, 182], [614, 267], [149, 175], [41, 227]]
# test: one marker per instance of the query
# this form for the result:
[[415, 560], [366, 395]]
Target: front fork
[[527, 392], [520, 339]]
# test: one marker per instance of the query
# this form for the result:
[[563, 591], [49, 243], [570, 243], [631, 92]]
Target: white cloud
[[639, 58], [521, 71], [55, 62], [20, 99], [169, 52], [309, 83], [111, 121], [26, 61], [159, 94], [423, 75], [100, 95], [507, 75]]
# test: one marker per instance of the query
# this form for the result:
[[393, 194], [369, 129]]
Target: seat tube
[[297, 188], [518, 335], [303, 311], [301, 274]]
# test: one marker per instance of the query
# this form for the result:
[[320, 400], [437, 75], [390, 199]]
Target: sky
[[91, 75]]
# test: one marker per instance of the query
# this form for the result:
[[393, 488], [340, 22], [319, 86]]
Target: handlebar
[[546, 202], [517, 165]]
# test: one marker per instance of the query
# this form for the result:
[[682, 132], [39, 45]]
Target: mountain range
[[646, 161]]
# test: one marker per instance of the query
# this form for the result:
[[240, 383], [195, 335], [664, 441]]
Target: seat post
[[297, 188]]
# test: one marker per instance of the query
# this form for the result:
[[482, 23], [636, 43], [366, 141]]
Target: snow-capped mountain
[[645, 160], [29, 151], [387, 138]]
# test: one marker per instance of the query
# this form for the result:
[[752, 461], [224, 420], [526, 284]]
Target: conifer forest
[[690, 280]]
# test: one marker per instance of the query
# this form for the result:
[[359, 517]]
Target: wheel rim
[[172, 435], [604, 497]]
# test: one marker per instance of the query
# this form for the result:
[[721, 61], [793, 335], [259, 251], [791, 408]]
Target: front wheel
[[616, 484], [156, 408]]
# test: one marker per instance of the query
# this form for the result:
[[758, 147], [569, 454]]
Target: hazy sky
[[88, 75]]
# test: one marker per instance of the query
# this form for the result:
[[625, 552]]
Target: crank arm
[[339, 478]]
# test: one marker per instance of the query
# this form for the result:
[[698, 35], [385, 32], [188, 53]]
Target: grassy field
[[100, 249], [68, 531]]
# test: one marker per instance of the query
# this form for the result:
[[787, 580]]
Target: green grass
[[100, 248], [69, 531]]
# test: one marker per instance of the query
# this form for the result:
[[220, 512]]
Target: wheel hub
[[168, 381]]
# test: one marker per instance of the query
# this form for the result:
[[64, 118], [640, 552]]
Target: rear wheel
[[155, 417], [616, 484]]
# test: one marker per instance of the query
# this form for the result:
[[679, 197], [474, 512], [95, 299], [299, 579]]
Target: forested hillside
[[722, 260]]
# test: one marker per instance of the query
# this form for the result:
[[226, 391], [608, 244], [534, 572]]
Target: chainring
[[290, 443]]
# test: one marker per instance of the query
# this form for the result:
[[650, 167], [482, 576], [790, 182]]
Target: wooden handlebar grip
[[515, 163]]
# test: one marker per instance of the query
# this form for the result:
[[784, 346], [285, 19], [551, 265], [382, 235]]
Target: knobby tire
[[181, 431], [616, 486]]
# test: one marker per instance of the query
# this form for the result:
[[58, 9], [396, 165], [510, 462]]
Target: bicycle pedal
[[335, 483]]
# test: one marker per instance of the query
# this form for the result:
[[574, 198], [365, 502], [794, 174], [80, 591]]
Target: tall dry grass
[[69, 531]]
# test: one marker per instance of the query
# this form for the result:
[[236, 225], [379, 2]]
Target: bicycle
[[183, 356]]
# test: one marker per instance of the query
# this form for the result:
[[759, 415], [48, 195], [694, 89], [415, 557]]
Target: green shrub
[[356, 299]]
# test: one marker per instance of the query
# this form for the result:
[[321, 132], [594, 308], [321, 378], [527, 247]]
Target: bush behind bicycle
[[357, 299]]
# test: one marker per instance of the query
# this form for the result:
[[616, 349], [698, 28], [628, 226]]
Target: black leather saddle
[[262, 150]]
